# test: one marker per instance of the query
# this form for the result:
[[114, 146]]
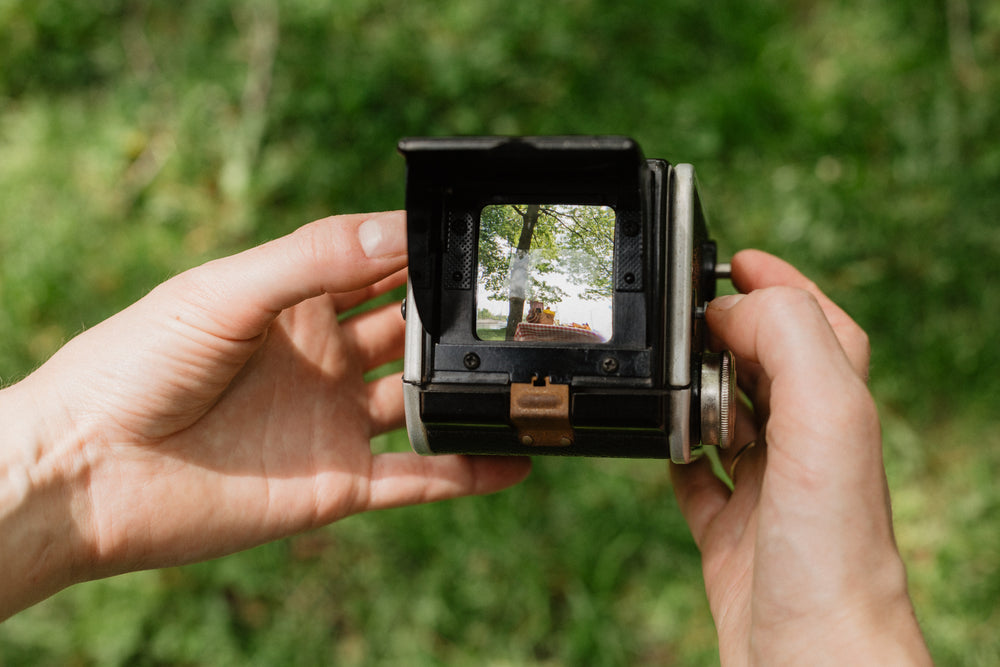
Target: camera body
[[555, 301]]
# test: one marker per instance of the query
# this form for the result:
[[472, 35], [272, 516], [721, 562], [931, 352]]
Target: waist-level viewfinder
[[556, 286]]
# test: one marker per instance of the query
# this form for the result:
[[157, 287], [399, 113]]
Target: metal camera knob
[[718, 398]]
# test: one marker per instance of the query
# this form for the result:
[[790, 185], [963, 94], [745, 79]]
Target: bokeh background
[[859, 140]]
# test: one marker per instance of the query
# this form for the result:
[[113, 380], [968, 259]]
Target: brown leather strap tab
[[540, 413]]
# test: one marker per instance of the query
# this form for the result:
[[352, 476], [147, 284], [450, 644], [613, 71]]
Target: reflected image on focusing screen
[[545, 273]]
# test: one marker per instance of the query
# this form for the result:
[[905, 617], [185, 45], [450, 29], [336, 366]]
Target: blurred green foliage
[[859, 140]]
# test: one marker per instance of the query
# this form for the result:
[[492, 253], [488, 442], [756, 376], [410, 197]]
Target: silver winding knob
[[718, 398]]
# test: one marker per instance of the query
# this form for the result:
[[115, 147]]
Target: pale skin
[[800, 562], [228, 408]]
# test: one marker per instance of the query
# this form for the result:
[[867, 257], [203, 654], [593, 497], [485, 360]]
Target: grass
[[857, 140], [491, 334]]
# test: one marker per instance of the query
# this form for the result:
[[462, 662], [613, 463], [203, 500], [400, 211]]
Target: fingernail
[[726, 302], [383, 235]]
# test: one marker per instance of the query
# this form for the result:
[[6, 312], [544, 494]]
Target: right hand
[[800, 561]]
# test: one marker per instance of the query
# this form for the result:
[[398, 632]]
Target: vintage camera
[[555, 301]]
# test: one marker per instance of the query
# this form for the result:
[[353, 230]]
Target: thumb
[[783, 329], [820, 409], [237, 297], [753, 270]]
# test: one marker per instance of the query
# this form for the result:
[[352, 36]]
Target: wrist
[[889, 634], [42, 472], [873, 626], [880, 615]]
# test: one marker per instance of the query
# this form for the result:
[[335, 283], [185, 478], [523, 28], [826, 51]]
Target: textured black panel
[[458, 258], [628, 253]]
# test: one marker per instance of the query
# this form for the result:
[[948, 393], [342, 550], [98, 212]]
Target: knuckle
[[324, 245], [187, 291], [861, 343], [785, 298], [312, 245]]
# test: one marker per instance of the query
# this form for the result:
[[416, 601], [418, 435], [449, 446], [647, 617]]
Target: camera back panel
[[509, 240]]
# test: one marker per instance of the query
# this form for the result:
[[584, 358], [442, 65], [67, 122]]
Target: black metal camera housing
[[649, 388]]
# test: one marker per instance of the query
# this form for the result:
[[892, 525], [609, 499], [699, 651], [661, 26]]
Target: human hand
[[225, 409], [800, 561]]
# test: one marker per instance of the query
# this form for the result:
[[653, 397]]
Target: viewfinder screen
[[545, 273]]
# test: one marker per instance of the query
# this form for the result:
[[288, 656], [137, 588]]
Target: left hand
[[229, 407]]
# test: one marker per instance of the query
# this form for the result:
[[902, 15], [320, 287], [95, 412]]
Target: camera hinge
[[539, 412]]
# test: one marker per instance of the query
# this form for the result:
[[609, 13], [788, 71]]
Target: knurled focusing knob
[[718, 398]]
